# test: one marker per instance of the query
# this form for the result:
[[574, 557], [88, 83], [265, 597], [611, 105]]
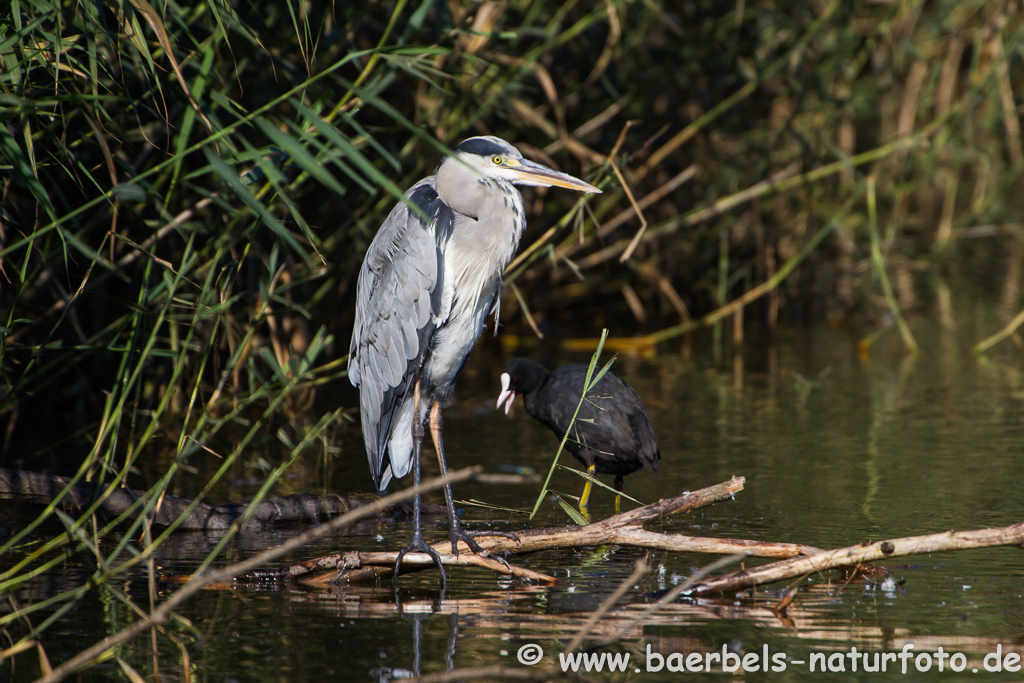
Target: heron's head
[[491, 157]]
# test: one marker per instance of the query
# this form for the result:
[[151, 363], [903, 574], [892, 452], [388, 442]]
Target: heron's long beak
[[506, 393], [531, 173]]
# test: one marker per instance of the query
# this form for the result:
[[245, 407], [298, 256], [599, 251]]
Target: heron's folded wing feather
[[398, 285]]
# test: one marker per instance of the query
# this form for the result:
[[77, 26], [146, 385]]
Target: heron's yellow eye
[[496, 160]]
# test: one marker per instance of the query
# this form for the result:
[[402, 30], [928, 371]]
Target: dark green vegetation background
[[187, 190]]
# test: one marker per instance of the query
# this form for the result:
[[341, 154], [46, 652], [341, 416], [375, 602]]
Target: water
[[836, 450]]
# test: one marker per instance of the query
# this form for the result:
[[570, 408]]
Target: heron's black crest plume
[[481, 146]]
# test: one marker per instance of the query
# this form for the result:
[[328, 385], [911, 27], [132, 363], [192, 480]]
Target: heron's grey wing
[[397, 297]]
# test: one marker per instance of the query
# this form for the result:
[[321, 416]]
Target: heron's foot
[[457, 533], [418, 545]]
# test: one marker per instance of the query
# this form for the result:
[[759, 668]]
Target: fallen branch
[[621, 529], [35, 487], [373, 561], [859, 554], [641, 538]]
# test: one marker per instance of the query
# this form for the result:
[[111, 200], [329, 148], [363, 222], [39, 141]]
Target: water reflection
[[488, 628]]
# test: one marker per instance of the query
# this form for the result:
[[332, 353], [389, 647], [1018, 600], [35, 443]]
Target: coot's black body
[[612, 432]]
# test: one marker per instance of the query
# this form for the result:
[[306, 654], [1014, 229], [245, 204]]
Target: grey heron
[[611, 433], [430, 278]]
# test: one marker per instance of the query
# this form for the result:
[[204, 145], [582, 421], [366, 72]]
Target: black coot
[[617, 439]]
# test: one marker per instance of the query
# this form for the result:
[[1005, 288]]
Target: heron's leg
[[456, 533], [418, 544], [619, 482], [453, 640]]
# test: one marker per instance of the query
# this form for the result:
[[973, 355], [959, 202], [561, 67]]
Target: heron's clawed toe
[[500, 559], [418, 545], [457, 534]]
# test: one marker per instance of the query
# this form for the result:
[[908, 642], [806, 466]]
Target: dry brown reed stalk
[[594, 124], [1010, 121], [785, 179], [613, 164], [526, 311], [752, 294], [648, 201]]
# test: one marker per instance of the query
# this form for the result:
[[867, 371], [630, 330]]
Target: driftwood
[[34, 487], [626, 529], [852, 556], [620, 529]]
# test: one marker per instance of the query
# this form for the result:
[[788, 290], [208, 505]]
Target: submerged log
[[43, 489]]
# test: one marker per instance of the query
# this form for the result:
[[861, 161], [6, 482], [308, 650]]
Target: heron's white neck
[[464, 190]]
